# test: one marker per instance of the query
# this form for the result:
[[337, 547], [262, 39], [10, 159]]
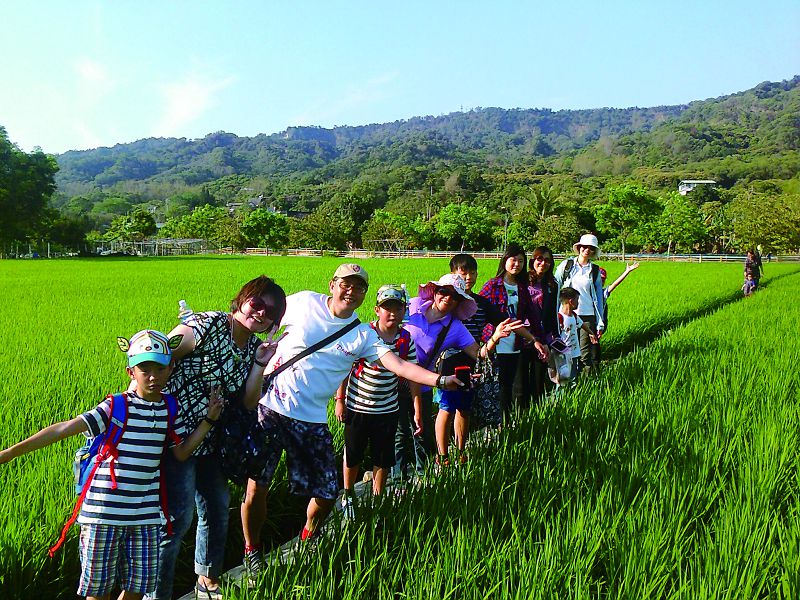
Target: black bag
[[239, 440], [486, 404], [240, 443]]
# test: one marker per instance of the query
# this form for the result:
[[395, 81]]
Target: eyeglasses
[[257, 304], [347, 286], [542, 259], [443, 291]]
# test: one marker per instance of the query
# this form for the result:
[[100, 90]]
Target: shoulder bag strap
[[438, 345], [311, 349]]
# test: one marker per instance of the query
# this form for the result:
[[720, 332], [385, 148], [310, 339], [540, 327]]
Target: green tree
[[680, 226], [629, 207], [132, 228], [462, 225], [769, 220], [558, 232], [27, 182], [262, 228]]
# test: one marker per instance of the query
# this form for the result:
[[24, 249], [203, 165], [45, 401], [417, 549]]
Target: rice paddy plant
[[675, 477], [563, 473]]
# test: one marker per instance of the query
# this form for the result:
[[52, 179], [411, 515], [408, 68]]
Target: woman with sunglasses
[[509, 292], [437, 313], [583, 275], [543, 289], [218, 352]]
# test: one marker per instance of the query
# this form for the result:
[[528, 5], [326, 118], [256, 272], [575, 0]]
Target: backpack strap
[[595, 272], [117, 421], [403, 344], [567, 269], [172, 415]]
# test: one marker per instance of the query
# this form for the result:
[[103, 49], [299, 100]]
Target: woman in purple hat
[[435, 325]]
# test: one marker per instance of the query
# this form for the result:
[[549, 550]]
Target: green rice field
[[675, 475]]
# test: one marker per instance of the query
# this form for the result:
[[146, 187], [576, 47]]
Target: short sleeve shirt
[[424, 333], [302, 391], [371, 388], [216, 361], [136, 499]]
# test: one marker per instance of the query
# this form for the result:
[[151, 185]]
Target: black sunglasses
[[273, 313]]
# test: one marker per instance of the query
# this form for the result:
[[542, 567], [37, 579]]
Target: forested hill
[[763, 121]]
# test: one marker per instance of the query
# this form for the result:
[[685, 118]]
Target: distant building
[[687, 185]]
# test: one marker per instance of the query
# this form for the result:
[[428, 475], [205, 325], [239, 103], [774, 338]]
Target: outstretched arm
[[621, 278], [45, 437], [412, 372]]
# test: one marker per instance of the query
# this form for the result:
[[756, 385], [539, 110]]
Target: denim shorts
[[112, 556], [451, 401], [310, 460]]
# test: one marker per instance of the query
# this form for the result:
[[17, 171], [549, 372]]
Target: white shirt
[[506, 344], [580, 278], [303, 390], [569, 333]]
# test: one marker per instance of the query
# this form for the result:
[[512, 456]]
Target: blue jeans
[[197, 482]]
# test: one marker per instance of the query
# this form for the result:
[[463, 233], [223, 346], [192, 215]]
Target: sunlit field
[[674, 475]]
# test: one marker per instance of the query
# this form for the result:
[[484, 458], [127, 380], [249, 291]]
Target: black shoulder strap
[[567, 269], [595, 272], [438, 345], [311, 349]]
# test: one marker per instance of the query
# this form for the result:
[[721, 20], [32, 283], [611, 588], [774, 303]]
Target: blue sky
[[83, 74]]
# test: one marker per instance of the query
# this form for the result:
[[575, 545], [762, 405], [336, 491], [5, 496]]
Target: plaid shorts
[[309, 454], [118, 555]]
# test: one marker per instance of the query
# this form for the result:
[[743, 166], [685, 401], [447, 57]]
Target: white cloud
[[186, 101]]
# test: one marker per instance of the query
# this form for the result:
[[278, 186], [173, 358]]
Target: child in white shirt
[[565, 364]]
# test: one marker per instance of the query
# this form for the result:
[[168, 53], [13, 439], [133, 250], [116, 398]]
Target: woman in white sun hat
[[581, 274], [435, 325]]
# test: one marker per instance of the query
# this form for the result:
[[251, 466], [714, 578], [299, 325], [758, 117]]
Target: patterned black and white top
[[215, 361], [371, 388], [136, 499]]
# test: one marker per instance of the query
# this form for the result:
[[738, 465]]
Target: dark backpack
[[103, 447]]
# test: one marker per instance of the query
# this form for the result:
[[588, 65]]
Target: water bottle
[[184, 312]]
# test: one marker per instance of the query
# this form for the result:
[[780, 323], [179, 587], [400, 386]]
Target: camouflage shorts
[[310, 460]]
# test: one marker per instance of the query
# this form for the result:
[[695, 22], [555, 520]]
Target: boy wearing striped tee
[[366, 402], [120, 515]]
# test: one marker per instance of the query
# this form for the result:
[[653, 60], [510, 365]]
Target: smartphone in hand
[[464, 375]]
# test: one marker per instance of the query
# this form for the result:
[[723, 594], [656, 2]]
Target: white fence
[[356, 254]]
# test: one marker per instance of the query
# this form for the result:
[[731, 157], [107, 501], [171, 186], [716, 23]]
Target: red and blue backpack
[[103, 447]]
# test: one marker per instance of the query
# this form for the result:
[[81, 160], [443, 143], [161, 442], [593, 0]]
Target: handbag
[[239, 439], [486, 404]]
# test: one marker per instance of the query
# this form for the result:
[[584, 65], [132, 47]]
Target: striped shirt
[[371, 388], [136, 499]]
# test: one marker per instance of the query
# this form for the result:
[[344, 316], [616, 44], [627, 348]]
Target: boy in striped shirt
[[366, 402], [120, 516]]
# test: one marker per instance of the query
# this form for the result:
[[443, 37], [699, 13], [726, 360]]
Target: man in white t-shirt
[[292, 412]]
